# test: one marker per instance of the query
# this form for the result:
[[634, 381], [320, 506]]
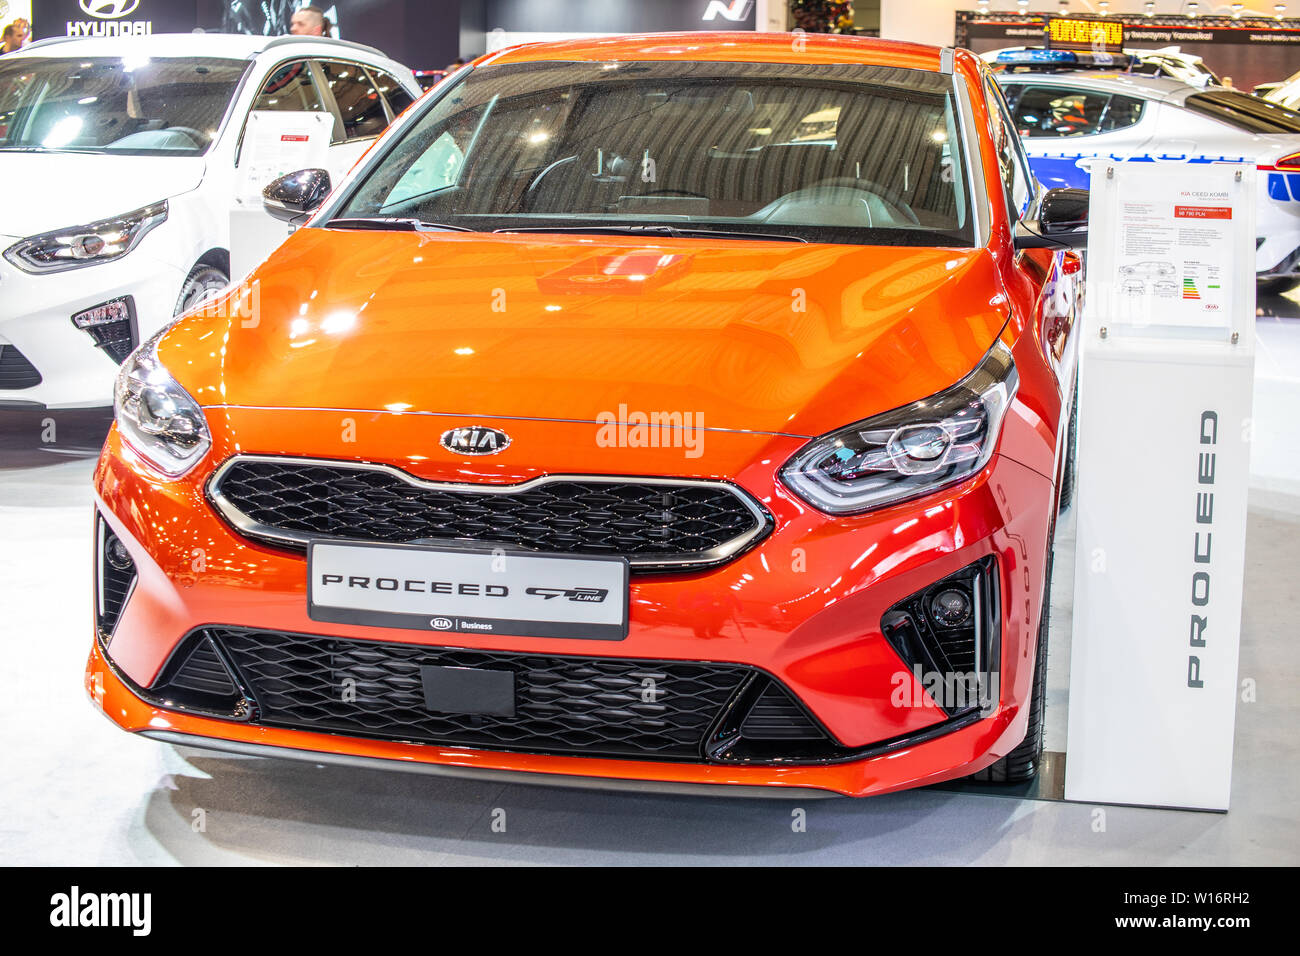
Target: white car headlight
[[156, 416], [909, 451], [78, 246]]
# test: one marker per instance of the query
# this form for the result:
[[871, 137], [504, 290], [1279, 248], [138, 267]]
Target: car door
[[364, 100], [1066, 126]]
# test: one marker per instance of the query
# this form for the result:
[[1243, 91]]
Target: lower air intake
[[16, 371]]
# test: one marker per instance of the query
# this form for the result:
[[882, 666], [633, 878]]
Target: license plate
[[468, 590]]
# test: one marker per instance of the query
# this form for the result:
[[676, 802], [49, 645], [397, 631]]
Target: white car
[[119, 158], [1168, 61], [1286, 93], [1070, 119]]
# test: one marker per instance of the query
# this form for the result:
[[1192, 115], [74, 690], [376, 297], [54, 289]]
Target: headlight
[[80, 246], [909, 451], [156, 416]]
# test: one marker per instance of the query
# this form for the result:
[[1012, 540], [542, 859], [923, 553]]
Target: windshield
[[131, 106], [838, 153]]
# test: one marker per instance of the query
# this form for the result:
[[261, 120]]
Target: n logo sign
[[735, 11]]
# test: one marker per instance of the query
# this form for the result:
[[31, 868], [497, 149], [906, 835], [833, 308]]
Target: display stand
[[1163, 467]]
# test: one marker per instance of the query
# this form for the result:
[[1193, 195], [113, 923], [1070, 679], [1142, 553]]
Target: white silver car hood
[[53, 190]]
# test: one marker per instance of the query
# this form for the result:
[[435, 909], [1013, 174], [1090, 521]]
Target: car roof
[[746, 47], [1164, 88], [222, 45]]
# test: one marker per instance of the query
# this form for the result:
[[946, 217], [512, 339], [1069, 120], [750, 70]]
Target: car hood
[[54, 190], [766, 336]]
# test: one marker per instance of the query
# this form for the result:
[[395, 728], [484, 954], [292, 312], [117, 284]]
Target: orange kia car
[[669, 411]]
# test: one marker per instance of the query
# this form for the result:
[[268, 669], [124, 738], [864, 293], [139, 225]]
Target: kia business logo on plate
[[475, 440], [108, 9]]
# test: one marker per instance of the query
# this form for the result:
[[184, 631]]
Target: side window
[[1012, 163], [289, 87], [1122, 112], [359, 102], [393, 91], [1060, 111]]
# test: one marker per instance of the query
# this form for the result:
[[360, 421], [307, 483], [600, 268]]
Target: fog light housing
[[949, 637], [115, 576], [951, 607], [112, 326]]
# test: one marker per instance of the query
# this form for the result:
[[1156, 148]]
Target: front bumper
[[804, 606], [36, 321]]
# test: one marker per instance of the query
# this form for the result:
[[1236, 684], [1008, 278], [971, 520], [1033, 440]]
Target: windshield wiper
[[50, 149], [672, 231], [394, 225]]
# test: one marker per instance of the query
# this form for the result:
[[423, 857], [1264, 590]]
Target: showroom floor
[[77, 790]]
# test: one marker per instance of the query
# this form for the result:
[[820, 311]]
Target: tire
[[1276, 286], [1022, 763], [1071, 444], [203, 282]]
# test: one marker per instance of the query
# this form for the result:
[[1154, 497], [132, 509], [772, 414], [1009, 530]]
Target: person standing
[[309, 22], [15, 36]]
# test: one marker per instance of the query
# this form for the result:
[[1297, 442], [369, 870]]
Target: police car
[[1071, 114], [1168, 61]]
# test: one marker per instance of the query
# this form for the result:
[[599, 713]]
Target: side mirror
[[1062, 222], [295, 196]]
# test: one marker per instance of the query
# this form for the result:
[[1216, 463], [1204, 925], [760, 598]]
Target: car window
[[834, 153], [1121, 113], [360, 105], [1245, 112], [1012, 162], [1059, 111], [1011, 93], [290, 87], [392, 90], [437, 168], [160, 107]]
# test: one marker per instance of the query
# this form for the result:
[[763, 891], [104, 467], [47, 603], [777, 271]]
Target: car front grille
[[656, 523], [589, 706], [15, 370]]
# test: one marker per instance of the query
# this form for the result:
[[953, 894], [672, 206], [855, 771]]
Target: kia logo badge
[[475, 440], [108, 9], [441, 624]]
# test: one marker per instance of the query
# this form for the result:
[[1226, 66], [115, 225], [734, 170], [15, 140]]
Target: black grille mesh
[[202, 672], [776, 716], [639, 520], [115, 584], [117, 339], [563, 705], [15, 370]]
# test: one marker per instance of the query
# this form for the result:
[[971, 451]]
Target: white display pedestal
[[1163, 453]]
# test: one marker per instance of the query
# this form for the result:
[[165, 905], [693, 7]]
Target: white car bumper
[[1278, 224], [36, 322]]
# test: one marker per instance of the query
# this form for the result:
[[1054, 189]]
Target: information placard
[[1172, 249], [278, 142]]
